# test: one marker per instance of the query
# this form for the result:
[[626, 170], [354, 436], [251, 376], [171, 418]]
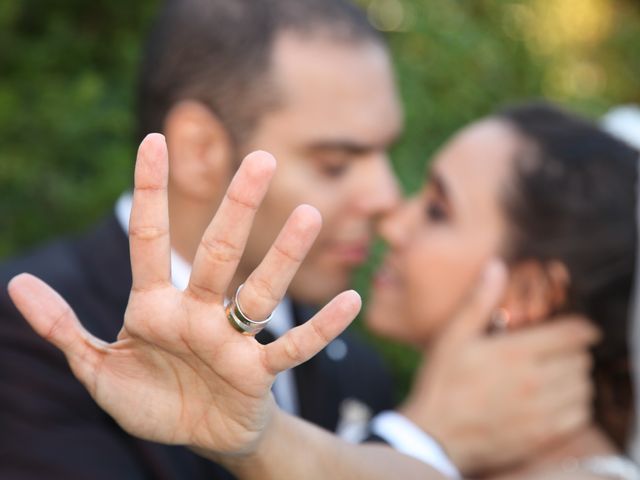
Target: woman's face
[[440, 240]]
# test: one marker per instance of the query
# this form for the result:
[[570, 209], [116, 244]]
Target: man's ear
[[535, 291], [200, 151]]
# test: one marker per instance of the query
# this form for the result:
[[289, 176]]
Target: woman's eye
[[435, 212]]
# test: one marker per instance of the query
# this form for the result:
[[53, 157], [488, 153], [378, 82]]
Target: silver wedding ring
[[240, 321]]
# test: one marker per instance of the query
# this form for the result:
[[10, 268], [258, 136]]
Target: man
[[310, 82]]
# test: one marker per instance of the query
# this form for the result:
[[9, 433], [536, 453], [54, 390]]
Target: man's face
[[340, 114]]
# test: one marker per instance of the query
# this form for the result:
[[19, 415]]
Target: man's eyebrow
[[349, 146], [346, 146]]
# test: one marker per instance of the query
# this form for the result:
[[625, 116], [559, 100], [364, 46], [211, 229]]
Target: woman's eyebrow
[[437, 182]]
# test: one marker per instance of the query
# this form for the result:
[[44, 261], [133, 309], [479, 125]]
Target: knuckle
[[235, 199], [147, 287], [290, 256], [292, 350], [147, 233], [57, 324], [264, 290], [221, 251], [258, 298], [201, 291], [319, 333], [150, 188]]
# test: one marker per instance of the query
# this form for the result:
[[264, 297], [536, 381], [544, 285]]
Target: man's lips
[[355, 253]]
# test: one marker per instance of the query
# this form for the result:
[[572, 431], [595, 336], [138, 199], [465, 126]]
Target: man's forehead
[[337, 94], [304, 66]]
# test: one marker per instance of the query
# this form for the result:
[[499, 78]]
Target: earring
[[500, 319]]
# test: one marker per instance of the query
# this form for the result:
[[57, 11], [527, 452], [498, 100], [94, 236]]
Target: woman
[[555, 198], [550, 194]]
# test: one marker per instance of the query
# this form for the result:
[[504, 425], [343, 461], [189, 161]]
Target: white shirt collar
[[180, 269]]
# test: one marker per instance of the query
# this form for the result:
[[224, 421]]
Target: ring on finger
[[240, 321]]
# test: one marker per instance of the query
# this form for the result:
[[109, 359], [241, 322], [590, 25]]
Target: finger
[[540, 432], [567, 386], [303, 342], [550, 339], [558, 398], [472, 319], [266, 286], [53, 319], [226, 236], [149, 223], [566, 422], [562, 368]]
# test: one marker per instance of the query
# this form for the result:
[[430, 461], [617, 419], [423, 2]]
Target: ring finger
[[268, 283]]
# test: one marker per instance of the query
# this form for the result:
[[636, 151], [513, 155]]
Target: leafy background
[[68, 67]]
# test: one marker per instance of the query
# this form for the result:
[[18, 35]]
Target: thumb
[[473, 318], [53, 319]]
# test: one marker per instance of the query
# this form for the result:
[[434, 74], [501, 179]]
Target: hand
[[493, 401], [179, 373]]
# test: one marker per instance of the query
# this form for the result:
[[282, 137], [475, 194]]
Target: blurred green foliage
[[67, 76]]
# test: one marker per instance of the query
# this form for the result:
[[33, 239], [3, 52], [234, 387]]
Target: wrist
[[247, 448], [254, 460], [405, 436], [436, 427]]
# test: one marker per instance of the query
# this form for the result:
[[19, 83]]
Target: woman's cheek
[[438, 284]]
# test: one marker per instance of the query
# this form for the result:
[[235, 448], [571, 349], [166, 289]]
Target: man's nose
[[380, 192], [397, 227]]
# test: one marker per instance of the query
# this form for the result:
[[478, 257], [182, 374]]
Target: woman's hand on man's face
[[496, 400], [179, 373]]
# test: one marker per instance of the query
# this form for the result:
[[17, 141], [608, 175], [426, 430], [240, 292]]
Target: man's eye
[[334, 170], [333, 166]]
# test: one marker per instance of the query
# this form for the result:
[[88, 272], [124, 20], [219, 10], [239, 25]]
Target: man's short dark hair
[[218, 52]]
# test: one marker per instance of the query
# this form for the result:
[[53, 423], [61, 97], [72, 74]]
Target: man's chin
[[307, 289], [382, 320]]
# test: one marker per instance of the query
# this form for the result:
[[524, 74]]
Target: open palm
[[179, 373]]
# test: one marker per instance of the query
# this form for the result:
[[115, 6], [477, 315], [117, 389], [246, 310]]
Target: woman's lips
[[385, 277]]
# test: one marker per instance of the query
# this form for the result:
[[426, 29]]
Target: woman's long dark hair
[[574, 201]]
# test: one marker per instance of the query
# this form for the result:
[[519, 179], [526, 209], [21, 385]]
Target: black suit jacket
[[50, 428]]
